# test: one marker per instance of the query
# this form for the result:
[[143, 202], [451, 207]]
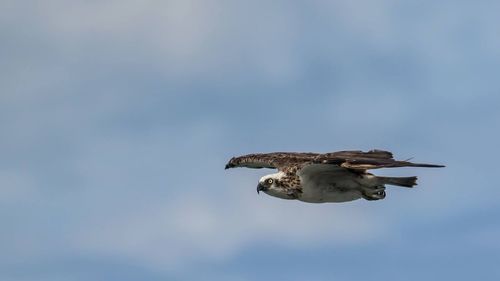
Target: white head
[[272, 185]]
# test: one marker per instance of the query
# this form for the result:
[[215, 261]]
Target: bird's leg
[[376, 193]]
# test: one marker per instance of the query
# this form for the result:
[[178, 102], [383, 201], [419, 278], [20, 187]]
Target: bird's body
[[331, 177]]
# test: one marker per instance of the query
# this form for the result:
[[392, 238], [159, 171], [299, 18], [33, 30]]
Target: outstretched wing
[[275, 160], [353, 160], [359, 160]]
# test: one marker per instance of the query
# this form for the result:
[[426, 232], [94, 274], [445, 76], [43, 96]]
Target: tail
[[404, 181]]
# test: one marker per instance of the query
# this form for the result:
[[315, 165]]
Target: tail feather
[[399, 181]]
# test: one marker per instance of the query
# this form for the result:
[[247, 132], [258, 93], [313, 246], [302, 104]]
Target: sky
[[117, 118]]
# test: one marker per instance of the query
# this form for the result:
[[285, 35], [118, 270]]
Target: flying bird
[[330, 177]]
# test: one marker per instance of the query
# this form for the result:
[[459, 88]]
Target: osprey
[[330, 177]]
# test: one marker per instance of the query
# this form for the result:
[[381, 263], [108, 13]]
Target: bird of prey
[[330, 177]]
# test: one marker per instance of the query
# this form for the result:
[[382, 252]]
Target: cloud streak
[[117, 119], [206, 228]]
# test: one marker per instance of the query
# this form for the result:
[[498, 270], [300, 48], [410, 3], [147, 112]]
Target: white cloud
[[213, 227], [113, 212], [194, 37]]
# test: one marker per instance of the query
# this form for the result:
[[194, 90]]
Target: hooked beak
[[260, 187]]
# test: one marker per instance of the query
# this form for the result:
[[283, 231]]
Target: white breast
[[328, 183], [321, 194]]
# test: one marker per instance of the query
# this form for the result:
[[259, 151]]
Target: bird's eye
[[270, 181]]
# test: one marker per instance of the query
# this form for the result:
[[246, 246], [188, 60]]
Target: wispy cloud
[[117, 118], [204, 228]]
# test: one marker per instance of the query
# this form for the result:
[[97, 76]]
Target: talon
[[374, 194], [380, 194]]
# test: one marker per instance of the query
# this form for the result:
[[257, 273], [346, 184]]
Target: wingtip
[[427, 165]]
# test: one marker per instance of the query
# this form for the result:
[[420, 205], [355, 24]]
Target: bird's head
[[272, 185]]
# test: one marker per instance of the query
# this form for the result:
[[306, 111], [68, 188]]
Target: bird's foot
[[374, 194]]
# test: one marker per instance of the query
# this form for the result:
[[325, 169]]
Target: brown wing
[[354, 160], [359, 160], [275, 160]]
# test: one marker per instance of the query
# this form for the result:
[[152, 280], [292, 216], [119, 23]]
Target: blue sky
[[117, 118]]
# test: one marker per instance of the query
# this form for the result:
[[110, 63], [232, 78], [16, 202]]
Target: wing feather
[[373, 159], [275, 160], [353, 160], [375, 153]]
